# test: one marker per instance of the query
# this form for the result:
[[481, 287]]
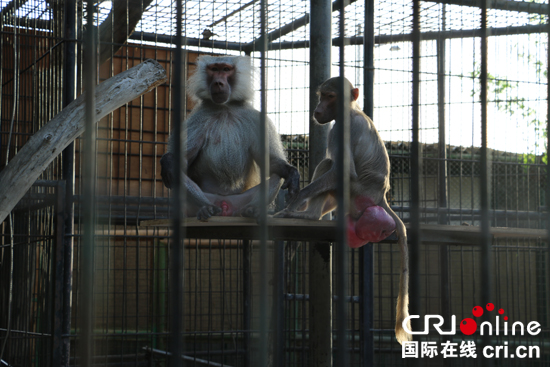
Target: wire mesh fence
[[42, 60]]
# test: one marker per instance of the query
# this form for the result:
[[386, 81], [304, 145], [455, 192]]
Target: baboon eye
[[226, 69]]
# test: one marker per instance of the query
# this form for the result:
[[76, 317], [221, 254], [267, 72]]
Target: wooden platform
[[313, 230], [247, 228]]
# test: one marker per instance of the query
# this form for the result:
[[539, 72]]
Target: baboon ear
[[355, 93]]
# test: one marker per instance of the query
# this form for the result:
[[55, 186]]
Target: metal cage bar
[[485, 238], [366, 253], [342, 161], [87, 251], [416, 167], [219, 290], [178, 231], [320, 254]]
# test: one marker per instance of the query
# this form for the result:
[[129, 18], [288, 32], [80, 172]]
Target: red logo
[[468, 326]]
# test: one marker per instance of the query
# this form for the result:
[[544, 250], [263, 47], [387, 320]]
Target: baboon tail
[[402, 310]]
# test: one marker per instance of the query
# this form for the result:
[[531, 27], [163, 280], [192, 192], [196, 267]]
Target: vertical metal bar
[[278, 295], [414, 231], [264, 171], [320, 304], [278, 315], [342, 163], [301, 310], [547, 199], [69, 93], [320, 254], [485, 263], [319, 71], [442, 171], [366, 253], [89, 178], [2, 66], [178, 231], [279, 306], [247, 299], [58, 276]]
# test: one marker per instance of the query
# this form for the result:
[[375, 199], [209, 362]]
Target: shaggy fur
[[223, 146], [241, 91]]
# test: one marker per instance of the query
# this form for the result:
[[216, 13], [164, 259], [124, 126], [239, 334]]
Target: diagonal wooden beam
[[41, 149]]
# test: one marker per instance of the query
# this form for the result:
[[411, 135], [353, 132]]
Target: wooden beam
[[313, 230], [41, 149], [239, 227]]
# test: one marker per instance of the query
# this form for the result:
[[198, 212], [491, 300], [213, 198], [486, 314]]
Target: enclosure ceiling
[[235, 24]]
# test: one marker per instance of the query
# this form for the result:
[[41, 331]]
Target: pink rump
[[374, 225]]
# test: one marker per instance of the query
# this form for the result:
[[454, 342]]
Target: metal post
[[485, 263], [547, 200], [366, 253], [442, 172], [264, 170], [320, 62], [247, 299], [58, 276], [69, 93], [278, 304], [342, 195], [88, 210], [276, 351], [414, 231], [178, 231], [320, 304], [320, 254]]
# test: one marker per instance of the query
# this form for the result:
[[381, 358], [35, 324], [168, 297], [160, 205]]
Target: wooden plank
[[241, 221], [312, 230], [449, 234], [239, 227]]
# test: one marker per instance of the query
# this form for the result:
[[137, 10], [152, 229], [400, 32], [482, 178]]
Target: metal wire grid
[[458, 17], [230, 22], [392, 80], [26, 74], [469, 170], [519, 268], [132, 315], [32, 10], [35, 279]]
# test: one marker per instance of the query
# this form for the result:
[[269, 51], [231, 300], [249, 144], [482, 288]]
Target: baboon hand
[[167, 169], [207, 211], [292, 182], [250, 211]]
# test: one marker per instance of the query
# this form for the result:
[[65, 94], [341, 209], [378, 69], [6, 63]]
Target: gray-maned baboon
[[223, 144]]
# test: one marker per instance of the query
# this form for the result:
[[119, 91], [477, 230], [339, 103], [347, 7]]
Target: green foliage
[[499, 91], [505, 95], [532, 159], [537, 18]]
